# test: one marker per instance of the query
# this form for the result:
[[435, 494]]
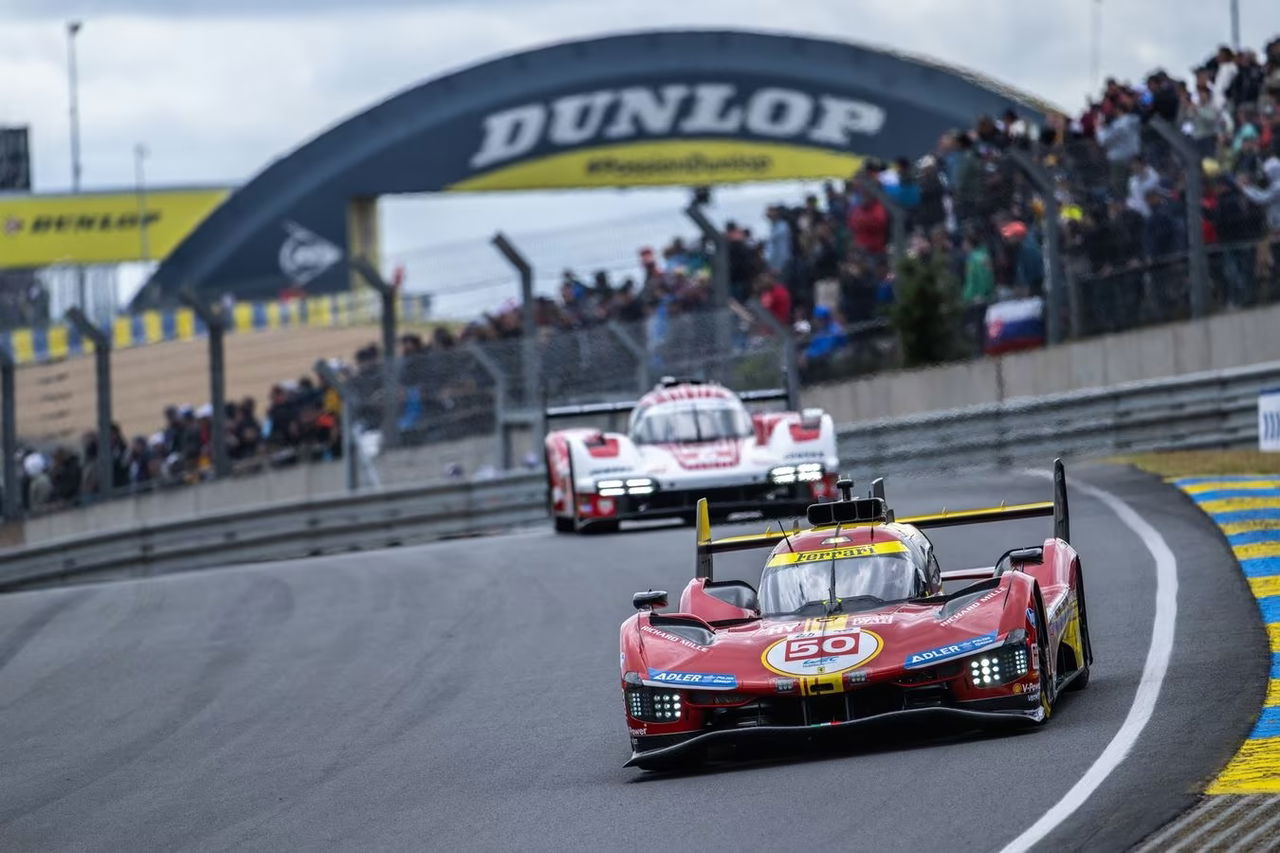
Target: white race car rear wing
[[587, 409]]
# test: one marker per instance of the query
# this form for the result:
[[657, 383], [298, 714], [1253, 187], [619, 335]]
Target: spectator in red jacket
[[869, 225], [774, 298]]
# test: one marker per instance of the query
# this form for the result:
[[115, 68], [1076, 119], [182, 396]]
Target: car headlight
[[809, 472], [611, 488], [633, 486], [654, 706], [640, 486], [1000, 665], [806, 472]]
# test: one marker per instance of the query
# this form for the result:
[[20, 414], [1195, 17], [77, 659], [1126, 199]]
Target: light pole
[[1095, 41], [140, 188], [1235, 24], [73, 85]]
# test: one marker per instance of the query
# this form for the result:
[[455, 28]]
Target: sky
[[216, 89]]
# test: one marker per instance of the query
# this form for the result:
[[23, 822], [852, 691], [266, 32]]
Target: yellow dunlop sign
[[666, 162], [846, 553], [42, 230]]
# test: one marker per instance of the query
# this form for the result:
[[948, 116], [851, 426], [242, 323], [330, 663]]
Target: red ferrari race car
[[850, 627], [688, 439]]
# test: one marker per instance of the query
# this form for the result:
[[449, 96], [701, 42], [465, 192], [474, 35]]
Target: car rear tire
[[563, 525]]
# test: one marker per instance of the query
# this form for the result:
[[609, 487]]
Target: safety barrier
[[1200, 410], [343, 522]]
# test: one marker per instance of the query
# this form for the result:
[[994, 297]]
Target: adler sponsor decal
[[954, 650], [721, 680], [708, 109]]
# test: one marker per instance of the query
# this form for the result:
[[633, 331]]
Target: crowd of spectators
[[301, 422], [825, 268]]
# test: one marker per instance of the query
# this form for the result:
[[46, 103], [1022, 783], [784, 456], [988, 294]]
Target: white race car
[[688, 440]]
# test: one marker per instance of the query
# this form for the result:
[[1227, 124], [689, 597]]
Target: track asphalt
[[464, 695]]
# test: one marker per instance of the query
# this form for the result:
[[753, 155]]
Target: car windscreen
[[787, 588], [691, 423]]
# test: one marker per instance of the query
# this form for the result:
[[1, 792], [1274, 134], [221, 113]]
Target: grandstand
[[56, 399]]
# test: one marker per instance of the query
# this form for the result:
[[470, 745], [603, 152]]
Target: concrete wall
[[414, 465], [1228, 340]]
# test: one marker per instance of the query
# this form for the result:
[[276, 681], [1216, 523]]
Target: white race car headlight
[[805, 472], [631, 486], [640, 486], [809, 472], [783, 475], [611, 488]]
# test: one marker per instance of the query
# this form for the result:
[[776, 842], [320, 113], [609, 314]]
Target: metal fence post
[[350, 452], [530, 353], [102, 371], [637, 352], [216, 323], [390, 381], [790, 358], [9, 436], [491, 367], [1194, 192], [897, 219], [1055, 284], [719, 284]]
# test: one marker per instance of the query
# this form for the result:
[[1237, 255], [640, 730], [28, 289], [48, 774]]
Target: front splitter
[[654, 758]]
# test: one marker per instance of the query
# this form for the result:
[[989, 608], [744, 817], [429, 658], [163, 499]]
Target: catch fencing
[[1213, 409], [1110, 242]]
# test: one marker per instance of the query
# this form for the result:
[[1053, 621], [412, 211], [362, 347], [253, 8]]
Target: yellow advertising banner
[[89, 228], [667, 162]]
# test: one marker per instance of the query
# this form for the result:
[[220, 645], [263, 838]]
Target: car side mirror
[[1020, 556], [650, 600]]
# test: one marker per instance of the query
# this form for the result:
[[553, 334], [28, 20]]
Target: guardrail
[[328, 525], [1213, 409]]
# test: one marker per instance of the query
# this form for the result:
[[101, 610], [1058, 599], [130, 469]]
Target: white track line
[[1153, 672]]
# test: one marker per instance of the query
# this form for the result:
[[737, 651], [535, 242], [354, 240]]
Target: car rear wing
[[707, 547], [764, 395], [587, 409]]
